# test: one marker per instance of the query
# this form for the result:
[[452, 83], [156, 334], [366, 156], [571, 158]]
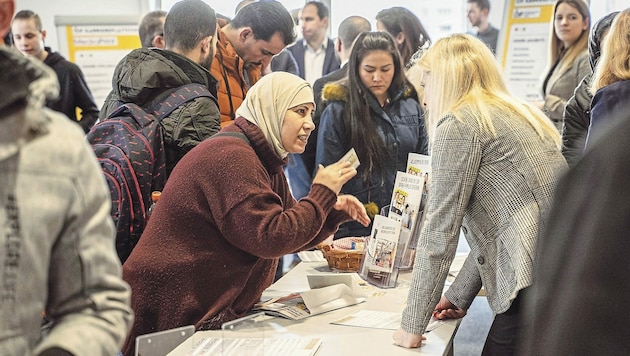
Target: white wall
[[599, 8], [438, 18]]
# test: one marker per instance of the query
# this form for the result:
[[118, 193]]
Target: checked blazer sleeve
[[497, 185], [456, 155]]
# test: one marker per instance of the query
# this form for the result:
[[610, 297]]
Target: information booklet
[[419, 165], [380, 320], [329, 292], [378, 264], [406, 199], [246, 336]]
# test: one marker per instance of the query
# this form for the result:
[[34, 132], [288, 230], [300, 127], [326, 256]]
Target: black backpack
[[129, 146]]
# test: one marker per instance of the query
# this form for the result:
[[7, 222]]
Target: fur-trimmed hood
[[336, 91]]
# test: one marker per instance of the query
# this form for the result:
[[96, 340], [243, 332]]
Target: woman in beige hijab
[[226, 215]]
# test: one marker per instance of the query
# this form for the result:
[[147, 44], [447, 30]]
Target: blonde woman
[[495, 163], [568, 56], [611, 79]]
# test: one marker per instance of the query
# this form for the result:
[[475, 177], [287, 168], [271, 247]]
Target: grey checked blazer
[[497, 189]]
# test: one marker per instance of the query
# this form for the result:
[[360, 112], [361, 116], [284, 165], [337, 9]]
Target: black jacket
[[331, 62], [73, 91], [284, 62], [576, 121], [582, 253], [577, 112], [609, 106], [308, 157]]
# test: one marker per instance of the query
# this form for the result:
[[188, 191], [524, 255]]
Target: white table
[[347, 340]]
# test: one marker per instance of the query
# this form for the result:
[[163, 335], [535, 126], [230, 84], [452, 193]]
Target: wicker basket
[[340, 255]]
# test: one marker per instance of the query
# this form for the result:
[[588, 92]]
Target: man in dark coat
[[349, 29]]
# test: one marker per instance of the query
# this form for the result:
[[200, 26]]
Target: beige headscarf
[[268, 100]]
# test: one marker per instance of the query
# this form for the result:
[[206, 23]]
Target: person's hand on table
[[353, 207], [405, 339], [447, 310]]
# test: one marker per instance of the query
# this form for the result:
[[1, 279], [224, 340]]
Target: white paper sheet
[[257, 346], [379, 320]]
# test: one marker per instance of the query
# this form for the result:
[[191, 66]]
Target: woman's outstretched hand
[[353, 207], [335, 175]]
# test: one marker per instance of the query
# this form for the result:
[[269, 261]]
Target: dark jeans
[[503, 336]]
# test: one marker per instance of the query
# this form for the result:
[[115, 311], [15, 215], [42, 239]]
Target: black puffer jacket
[[144, 74], [577, 112]]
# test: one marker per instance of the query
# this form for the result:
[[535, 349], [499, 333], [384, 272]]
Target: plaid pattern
[[496, 188]]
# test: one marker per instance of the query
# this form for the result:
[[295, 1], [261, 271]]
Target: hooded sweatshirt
[[74, 91]]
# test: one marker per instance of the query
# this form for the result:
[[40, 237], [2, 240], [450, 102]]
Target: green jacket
[[145, 73]]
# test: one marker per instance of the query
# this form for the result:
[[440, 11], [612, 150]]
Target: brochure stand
[[378, 266], [378, 278], [391, 246], [409, 242], [162, 342]]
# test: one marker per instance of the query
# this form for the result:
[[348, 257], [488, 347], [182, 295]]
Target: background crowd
[[254, 173]]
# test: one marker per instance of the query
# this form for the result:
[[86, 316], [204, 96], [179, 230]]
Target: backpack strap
[[131, 110], [164, 104], [233, 134]]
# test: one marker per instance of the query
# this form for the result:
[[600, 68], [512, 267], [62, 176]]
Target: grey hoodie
[[57, 254]]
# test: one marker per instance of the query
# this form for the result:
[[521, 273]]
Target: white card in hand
[[351, 157]]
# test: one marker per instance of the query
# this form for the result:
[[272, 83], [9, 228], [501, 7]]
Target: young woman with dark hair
[[374, 110]]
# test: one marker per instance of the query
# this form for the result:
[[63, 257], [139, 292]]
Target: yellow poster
[[525, 46], [96, 45]]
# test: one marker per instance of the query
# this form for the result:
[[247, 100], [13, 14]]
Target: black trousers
[[504, 333]]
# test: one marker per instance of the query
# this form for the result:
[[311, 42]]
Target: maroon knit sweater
[[212, 244]]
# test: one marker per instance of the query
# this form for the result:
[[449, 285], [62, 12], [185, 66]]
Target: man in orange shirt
[[245, 45]]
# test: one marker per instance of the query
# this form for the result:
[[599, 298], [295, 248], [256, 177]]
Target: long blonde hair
[[556, 46], [464, 78], [614, 63]]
